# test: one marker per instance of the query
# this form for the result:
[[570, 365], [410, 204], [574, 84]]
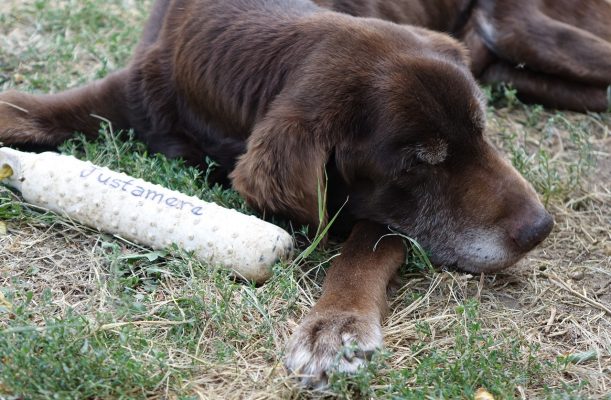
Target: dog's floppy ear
[[282, 170]]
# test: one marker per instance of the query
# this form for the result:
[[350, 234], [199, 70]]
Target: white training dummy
[[145, 213]]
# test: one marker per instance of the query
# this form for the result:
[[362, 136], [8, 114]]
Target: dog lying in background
[[554, 52], [278, 92]]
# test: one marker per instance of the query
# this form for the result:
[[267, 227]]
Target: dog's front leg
[[344, 327]]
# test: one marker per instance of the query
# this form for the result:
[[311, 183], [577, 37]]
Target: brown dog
[[392, 112], [554, 52]]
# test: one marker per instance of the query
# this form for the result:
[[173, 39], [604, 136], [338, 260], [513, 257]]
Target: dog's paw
[[340, 342]]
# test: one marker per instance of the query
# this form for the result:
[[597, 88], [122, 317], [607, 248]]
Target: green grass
[[475, 360], [72, 357], [531, 149], [70, 42], [76, 357]]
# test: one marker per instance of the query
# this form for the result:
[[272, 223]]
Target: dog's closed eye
[[433, 152]]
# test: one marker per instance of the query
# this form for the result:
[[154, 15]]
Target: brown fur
[[548, 50], [280, 92]]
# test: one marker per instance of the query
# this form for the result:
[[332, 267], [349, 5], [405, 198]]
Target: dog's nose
[[528, 235]]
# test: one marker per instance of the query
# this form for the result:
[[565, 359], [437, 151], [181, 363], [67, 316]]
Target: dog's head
[[409, 144]]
